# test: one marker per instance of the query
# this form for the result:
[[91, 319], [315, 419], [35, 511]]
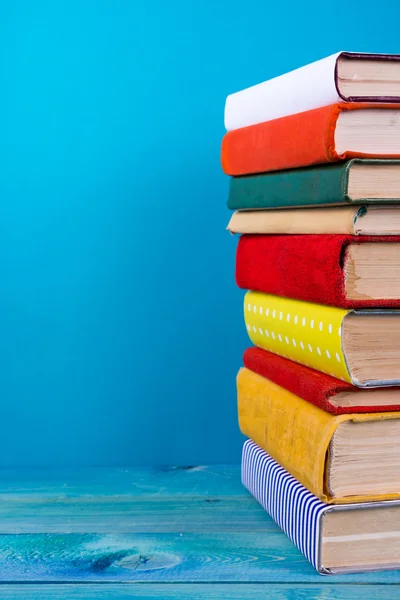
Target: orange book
[[328, 134]]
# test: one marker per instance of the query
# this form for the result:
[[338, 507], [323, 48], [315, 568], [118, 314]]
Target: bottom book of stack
[[334, 538]]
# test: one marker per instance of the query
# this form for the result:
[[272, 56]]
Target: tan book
[[350, 220]]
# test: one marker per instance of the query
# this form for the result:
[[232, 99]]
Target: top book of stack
[[344, 106]]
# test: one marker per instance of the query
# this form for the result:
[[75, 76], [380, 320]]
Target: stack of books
[[314, 160]]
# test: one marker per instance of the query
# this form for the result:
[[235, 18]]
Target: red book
[[339, 270], [326, 392]]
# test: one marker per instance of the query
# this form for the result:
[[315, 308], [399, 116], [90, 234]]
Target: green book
[[357, 181]]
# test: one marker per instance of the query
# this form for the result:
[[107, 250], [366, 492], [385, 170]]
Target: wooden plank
[[131, 514], [199, 592], [161, 558], [159, 481], [155, 526]]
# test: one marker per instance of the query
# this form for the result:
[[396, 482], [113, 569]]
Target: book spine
[[295, 510], [316, 186], [298, 140], [303, 89], [308, 268], [298, 221], [307, 333], [293, 431], [309, 384]]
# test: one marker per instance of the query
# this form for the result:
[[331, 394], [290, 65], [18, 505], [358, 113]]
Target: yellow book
[[361, 347], [341, 459]]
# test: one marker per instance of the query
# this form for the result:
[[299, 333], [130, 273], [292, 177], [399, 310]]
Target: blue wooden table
[[168, 533]]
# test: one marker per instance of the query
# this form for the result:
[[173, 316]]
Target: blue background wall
[[121, 328]]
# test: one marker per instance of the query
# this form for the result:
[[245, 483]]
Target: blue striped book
[[334, 538]]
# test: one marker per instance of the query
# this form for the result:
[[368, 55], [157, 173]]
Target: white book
[[342, 77]]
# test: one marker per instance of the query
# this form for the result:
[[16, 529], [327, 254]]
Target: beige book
[[350, 220]]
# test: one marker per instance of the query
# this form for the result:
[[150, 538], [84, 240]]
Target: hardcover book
[[339, 458], [324, 391], [323, 135], [348, 220], [334, 538], [339, 270], [344, 76], [361, 347], [356, 181]]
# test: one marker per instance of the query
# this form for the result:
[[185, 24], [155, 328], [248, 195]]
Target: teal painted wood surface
[[157, 558], [151, 481], [198, 592], [124, 514], [145, 533]]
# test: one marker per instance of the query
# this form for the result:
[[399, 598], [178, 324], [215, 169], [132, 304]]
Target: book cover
[[306, 267], [309, 334], [295, 433], [298, 221], [298, 140], [310, 385], [296, 511]]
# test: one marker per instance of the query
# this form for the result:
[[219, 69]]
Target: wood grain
[[129, 514], [159, 481], [199, 592], [159, 558], [147, 533]]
